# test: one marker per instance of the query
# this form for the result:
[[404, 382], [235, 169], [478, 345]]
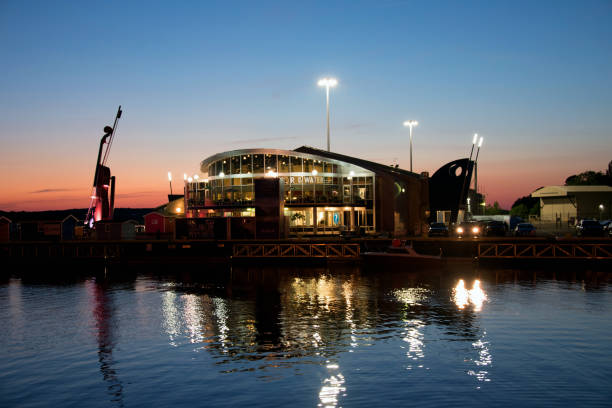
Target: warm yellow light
[[477, 295], [475, 230], [328, 82], [195, 176], [178, 209], [460, 294], [459, 230], [315, 172], [222, 174]]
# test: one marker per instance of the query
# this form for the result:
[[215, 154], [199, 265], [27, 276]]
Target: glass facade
[[328, 194]]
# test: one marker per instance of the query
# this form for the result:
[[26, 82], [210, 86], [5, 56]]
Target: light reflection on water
[[328, 337]]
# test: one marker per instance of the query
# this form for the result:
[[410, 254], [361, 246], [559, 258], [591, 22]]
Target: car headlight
[[475, 230], [459, 230]]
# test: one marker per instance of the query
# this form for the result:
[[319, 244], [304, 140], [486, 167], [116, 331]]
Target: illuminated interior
[[340, 194]]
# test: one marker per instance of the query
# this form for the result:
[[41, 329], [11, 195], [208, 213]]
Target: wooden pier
[[545, 250]]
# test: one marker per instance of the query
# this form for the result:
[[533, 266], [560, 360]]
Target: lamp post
[[170, 180], [327, 83], [476, 164], [411, 124], [601, 210]]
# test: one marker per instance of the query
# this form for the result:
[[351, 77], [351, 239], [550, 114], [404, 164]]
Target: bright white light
[[475, 138], [271, 173], [169, 176], [463, 296], [480, 142], [184, 176], [222, 174], [189, 179], [315, 172], [328, 82], [601, 207], [195, 176], [206, 180], [460, 295], [351, 173], [178, 209], [477, 295], [411, 123]]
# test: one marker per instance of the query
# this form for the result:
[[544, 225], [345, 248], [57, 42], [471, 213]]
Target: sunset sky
[[534, 78]]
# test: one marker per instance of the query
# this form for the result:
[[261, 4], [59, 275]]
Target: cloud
[[139, 194], [355, 126], [265, 139], [53, 190]]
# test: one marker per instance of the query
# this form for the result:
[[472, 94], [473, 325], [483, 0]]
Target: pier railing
[[301, 250], [545, 250]]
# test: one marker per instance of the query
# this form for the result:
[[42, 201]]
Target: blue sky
[[197, 78]]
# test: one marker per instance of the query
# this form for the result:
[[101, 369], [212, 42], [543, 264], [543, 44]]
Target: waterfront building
[[321, 192], [569, 203]]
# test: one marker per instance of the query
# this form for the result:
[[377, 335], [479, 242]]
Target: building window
[[283, 164], [296, 164], [258, 163], [246, 166]]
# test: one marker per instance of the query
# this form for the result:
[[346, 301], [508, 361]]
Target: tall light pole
[[327, 83], [476, 170], [411, 124], [170, 180], [476, 164]]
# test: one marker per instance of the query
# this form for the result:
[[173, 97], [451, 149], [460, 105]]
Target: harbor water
[[309, 337]]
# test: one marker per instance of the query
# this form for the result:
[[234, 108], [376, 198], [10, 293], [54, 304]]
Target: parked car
[[589, 228], [438, 229], [495, 228], [468, 229], [524, 229]]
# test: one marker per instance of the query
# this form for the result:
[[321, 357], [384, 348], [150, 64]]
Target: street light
[[327, 83], [411, 124], [170, 180], [476, 164]]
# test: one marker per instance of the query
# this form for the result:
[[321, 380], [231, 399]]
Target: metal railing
[[545, 250], [327, 250]]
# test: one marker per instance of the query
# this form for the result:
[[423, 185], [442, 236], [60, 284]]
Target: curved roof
[[211, 159], [560, 191]]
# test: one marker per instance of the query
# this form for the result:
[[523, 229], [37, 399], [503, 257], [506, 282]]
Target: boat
[[400, 254]]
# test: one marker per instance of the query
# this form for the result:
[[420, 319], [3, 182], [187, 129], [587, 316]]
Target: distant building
[[5, 228], [116, 230], [50, 229], [567, 203]]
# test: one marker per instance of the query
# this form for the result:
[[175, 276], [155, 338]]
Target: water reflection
[[333, 387], [103, 312], [462, 296], [484, 359]]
